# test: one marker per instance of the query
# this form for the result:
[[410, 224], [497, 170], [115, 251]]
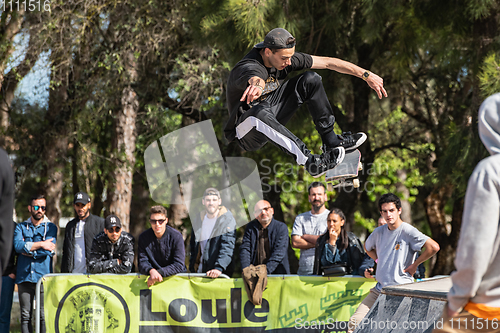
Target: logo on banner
[[92, 307]]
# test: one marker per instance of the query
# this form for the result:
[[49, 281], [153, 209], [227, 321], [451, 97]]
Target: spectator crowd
[[94, 245]]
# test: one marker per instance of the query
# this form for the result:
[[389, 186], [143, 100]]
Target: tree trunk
[[120, 187], [55, 141], [139, 209], [99, 179], [356, 120], [7, 33], [177, 212], [445, 264], [405, 194], [434, 205], [9, 83]]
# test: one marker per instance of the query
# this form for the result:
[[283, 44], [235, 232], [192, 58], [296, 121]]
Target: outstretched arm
[[374, 81]]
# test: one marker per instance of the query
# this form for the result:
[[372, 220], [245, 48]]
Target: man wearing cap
[[213, 237], [161, 250], [112, 250], [260, 102], [79, 234]]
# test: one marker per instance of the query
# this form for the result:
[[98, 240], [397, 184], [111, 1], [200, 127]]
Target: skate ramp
[[414, 307]]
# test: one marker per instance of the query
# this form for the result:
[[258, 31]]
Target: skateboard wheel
[[329, 187], [360, 166], [355, 183]]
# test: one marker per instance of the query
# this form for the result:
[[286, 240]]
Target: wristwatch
[[365, 75]]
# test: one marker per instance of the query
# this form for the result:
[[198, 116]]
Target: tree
[[429, 64], [14, 24]]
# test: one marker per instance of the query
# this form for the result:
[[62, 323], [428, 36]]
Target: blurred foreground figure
[[474, 299], [6, 209]]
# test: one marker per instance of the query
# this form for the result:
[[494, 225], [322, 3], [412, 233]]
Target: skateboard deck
[[346, 173]]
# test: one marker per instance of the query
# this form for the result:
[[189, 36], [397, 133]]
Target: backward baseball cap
[[277, 38], [211, 191]]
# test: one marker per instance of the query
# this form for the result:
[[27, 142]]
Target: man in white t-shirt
[[79, 234], [395, 247], [309, 226], [212, 245]]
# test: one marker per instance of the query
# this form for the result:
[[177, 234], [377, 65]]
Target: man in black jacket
[[112, 250], [261, 101], [79, 235], [265, 241], [213, 237], [161, 250]]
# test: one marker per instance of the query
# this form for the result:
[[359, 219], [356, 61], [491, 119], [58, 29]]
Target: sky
[[34, 87]]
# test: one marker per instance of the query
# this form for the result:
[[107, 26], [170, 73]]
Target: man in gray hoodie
[[474, 299]]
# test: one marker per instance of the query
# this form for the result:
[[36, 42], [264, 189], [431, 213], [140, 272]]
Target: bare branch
[[192, 113]]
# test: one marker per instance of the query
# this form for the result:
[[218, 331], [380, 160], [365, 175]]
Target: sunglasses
[[39, 207], [160, 222], [114, 229]]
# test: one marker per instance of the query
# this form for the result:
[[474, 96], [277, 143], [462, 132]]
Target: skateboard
[[346, 173]]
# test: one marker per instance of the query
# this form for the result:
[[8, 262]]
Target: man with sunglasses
[[213, 237], [161, 249], [265, 241], [35, 242], [112, 250], [79, 234], [261, 102]]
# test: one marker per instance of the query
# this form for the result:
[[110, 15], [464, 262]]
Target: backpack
[[356, 251]]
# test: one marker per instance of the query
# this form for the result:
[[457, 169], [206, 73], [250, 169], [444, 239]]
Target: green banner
[[124, 303]]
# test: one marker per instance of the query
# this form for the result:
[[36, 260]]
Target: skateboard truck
[[346, 173]]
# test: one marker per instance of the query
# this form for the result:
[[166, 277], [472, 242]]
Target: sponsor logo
[[91, 308]]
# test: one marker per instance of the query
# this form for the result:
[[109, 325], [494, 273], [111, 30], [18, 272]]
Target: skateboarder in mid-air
[[260, 102]]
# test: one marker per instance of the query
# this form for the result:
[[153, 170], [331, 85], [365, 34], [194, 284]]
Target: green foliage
[[465, 150], [199, 77], [384, 174], [396, 135], [237, 25], [177, 54], [480, 9], [489, 78], [368, 223]]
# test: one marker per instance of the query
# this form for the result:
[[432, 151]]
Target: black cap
[[277, 38], [81, 197], [112, 221]]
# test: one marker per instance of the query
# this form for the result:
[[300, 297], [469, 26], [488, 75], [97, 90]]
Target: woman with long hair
[[338, 248]]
